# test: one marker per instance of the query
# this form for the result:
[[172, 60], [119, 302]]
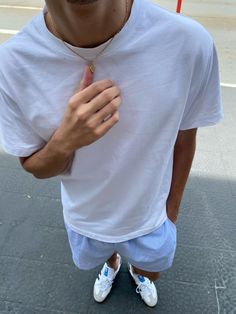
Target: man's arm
[[184, 152], [48, 162]]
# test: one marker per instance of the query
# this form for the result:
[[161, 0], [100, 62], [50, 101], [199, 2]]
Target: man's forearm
[[48, 162], [183, 157]]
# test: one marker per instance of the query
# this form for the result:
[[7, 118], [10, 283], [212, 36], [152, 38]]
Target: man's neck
[[90, 25]]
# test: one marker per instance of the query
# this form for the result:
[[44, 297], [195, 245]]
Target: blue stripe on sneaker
[[141, 278], [106, 272]]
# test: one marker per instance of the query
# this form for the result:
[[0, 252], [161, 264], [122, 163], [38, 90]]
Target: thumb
[[87, 79]]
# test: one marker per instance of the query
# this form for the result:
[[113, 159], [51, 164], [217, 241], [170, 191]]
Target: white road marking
[[228, 85], [8, 31], [2, 6]]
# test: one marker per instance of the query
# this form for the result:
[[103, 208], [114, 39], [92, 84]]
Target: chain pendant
[[92, 68]]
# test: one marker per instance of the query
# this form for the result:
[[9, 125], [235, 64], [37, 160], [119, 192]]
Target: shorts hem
[[87, 267]]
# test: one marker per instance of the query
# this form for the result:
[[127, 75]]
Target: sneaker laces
[[104, 282], [143, 287]]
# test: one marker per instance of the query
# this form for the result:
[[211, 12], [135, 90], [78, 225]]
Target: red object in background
[[179, 4]]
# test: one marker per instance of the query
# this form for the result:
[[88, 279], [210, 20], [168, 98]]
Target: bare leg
[[113, 261], [150, 275]]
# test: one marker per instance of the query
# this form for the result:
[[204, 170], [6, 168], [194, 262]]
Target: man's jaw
[[81, 2]]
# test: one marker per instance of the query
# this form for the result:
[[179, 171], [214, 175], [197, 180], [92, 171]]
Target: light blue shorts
[[153, 252]]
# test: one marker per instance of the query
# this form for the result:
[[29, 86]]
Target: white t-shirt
[[167, 69]]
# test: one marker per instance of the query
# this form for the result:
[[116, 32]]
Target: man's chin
[[81, 2]]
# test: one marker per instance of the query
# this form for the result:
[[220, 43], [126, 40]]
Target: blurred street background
[[36, 271], [218, 16]]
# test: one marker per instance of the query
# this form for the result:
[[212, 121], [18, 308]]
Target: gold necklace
[[91, 63]]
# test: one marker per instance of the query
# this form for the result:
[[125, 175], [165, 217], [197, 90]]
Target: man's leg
[[151, 254], [145, 284], [113, 261], [150, 275], [103, 283]]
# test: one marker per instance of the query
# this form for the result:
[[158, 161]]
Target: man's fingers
[[103, 99], [108, 124], [106, 111], [87, 79], [92, 91]]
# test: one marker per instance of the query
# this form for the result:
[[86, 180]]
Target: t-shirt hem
[[116, 239], [202, 123]]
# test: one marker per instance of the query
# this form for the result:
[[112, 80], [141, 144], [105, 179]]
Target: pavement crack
[[216, 293]]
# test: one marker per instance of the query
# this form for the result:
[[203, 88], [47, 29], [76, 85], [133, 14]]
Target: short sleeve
[[205, 108], [18, 138]]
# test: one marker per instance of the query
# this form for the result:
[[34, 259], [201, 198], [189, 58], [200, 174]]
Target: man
[[122, 140]]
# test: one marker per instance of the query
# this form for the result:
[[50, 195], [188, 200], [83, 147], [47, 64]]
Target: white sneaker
[[103, 283], [145, 288]]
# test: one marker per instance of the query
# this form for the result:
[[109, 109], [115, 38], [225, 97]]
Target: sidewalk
[[37, 275]]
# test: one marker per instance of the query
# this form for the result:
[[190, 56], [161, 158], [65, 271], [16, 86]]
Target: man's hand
[[90, 114]]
